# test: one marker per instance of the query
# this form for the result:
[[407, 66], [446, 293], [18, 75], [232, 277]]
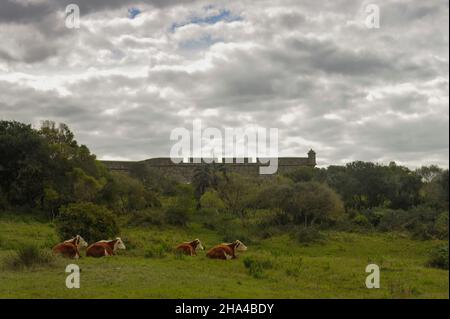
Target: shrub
[[123, 193], [421, 232], [232, 230], [28, 256], [209, 218], [439, 257], [392, 220], [92, 222], [310, 203], [256, 267], [276, 218], [159, 251], [148, 217], [3, 201], [441, 226], [211, 200], [177, 215], [301, 174], [361, 220], [308, 235]]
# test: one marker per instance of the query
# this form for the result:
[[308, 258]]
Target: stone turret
[[312, 157]]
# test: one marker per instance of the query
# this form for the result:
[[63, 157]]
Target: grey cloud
[[347, 92]]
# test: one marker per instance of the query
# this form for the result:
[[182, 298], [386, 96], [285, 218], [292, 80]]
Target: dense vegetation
[[45, 171]]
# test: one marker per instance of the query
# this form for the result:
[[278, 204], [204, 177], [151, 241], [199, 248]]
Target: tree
[[85, 187], [235, 191], [24, 163], [403, 187], [435, 192], [124, 193], [311, 202], [302, 174], [51, 200], [202, 179], [429, 173], [211, 200], [364, 185], [153, 180]]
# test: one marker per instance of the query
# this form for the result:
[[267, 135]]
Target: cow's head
[[81, 241], [77, 241], [239, 246], [197, 244], [119, 244]]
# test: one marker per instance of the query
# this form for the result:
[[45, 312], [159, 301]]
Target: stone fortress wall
[[184, 172]]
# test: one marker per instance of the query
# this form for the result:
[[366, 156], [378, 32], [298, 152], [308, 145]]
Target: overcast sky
[[135, 70]]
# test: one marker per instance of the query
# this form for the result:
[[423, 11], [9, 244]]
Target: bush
[[361, 220], [3, 201], [211, 200], [28, 256], [158, 251], [148, 217], [276, 218], [232, 230], [177, 215], [256, 267], [209, 218], [92, 222], [441, 226], [309, 203], [308, 235], [439, 257], [301, 174], [423, 222]]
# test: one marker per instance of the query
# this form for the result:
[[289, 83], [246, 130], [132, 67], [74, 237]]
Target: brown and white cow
[[105, 248], [190, 248], [78, 241], [70, 248], [226, 250]]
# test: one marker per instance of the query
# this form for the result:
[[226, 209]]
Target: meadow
[[276, 267]]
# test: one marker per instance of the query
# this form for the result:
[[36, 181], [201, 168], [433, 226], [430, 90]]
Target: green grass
[[148, 269]]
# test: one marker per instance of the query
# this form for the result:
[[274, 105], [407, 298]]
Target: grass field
[[147, 269]]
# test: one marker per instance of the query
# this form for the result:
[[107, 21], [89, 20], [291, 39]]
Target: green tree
[[24, 163], [124, 193], [301, 174], [86, 188], [211, 200], [153, 180], [236, 192], [202, 179], [310, 203]]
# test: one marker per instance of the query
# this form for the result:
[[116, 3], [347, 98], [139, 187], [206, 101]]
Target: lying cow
[[70, 248], [190, 248], [226, 250], [105, 248]]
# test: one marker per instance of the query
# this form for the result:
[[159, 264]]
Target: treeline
[[46, 171], [359, 196]]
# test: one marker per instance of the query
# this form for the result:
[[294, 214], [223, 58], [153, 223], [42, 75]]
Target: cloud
[[311, 69]]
